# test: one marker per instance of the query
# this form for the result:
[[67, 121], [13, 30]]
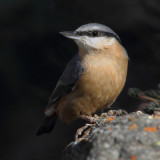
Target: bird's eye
[[95, 33]]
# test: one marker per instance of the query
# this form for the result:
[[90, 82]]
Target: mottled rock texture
[[135, 136]]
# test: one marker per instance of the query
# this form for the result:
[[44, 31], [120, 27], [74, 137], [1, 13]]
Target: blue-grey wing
[[68, 79]]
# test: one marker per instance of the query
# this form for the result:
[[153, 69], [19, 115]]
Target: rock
[[135, 136]]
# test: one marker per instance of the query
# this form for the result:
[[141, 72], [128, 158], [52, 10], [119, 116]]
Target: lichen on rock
[[135, 136]]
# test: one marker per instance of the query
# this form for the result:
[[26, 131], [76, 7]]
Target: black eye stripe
[[100, 34]]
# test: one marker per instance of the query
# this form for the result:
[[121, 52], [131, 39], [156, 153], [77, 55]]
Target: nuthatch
[[93, 78]]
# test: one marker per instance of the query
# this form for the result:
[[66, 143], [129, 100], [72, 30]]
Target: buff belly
[[97, 88]]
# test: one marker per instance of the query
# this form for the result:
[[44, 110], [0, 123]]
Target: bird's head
[[92, 36]]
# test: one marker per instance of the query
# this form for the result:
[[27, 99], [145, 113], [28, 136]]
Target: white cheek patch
[[95, 42]]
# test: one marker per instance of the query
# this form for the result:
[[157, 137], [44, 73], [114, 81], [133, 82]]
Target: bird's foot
[[90, 119], [81, 130], [118, 112]]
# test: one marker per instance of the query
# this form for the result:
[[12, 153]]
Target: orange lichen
[[109, 129], [111, 118], [79, 139], [133, 157], [150, 129], [133, 126]]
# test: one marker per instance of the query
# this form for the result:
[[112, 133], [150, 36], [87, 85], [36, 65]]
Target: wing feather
[[68, 80]]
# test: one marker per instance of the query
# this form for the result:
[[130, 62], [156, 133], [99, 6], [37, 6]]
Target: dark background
[[33, 55]]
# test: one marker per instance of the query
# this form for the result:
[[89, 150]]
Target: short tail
[[47, 125]]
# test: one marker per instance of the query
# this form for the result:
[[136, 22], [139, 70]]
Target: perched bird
[[93, 78]]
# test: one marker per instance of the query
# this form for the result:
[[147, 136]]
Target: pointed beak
[[70, 34]]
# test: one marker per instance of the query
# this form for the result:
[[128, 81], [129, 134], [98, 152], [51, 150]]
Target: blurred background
[[33, 55]]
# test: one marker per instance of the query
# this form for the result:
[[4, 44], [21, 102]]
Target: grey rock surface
[[135, 136]]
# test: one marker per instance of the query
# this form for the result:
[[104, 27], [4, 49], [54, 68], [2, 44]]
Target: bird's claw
[[90, 119], [80, 130], [118, 112]]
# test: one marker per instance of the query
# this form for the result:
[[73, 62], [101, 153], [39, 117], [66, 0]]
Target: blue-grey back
[[67, 81]]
